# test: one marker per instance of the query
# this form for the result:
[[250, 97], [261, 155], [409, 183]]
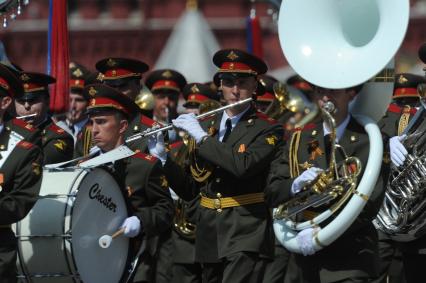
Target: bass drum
[[58, 239]]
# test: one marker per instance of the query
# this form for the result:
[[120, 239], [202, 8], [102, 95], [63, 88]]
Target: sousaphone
[[339, 44]]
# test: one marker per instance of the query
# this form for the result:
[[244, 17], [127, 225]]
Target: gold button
[[353, 139], [314, 133], [135, 128], [218, 195], [218, 180], [2, 147]]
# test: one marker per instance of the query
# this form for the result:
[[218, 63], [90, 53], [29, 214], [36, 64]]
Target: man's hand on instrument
[[304, 178], [189, 123], [305, 240], [398, 153], [132, 226], [156, 147]]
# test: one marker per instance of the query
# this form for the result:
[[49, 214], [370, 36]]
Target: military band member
[[76, 117], [353, 256], [399, 114], [166, 86], [264, 101], [57, 145], [141, 175], [20, 178], [184, 268], [234, 233]]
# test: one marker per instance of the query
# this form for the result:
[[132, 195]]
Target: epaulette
[[25, 145], [176, 144], [264, 117], [22, 124], [56, 129], [307, 127], [147, 121], [145, 156], [398, 110]]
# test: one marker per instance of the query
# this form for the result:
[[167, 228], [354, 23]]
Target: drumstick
[[105, 240]]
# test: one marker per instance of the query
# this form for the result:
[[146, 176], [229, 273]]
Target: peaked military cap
[[268, 84], [118, 71], [165, 79], [106, 98], [78, 76], [197, 93], [406, 85], [35, 84], [10, 85], [239, 62]]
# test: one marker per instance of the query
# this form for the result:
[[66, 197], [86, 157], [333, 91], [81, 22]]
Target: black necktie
[[228, 130]]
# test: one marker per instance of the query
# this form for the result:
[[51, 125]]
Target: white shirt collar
[[340, 128], [234, 121]]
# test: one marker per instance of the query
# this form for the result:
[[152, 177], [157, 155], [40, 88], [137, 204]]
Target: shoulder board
[[176, 144], [25, 145], [145, 156], [399, 110], [22, 124], [264, 117], [147, 121], [307, 127], [56, 129]]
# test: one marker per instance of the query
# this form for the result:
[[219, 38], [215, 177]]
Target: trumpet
[[158, 128]]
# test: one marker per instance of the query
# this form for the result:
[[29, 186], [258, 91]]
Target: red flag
[[59, 55]]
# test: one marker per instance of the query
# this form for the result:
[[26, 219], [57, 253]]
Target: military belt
[[219, 203]]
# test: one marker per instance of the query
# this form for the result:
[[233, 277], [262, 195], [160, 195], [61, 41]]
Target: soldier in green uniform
[[184, 268], [20, 178], [141, 175], [76, 118], [166, 86], [353, 257], [57, 145], [399, 114], [234, 232]]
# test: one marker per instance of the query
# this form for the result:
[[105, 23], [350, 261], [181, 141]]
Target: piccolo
[[26, 116], [156, 129]]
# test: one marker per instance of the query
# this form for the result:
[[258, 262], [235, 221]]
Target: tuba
[[352, 44], [403, 212]]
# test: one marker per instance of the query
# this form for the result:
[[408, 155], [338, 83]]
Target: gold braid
[[87, 141], [294, 149]]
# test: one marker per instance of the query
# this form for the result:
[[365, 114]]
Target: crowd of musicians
[[201, 195]]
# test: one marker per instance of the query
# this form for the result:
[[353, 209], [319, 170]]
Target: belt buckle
[[217, 203]]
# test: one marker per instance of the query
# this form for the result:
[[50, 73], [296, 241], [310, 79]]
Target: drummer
[[20, 177], [141, 175]]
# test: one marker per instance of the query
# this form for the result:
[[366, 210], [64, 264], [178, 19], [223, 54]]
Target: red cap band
[[77, 83], [119, 73], [196, 97], [236, 67], [405, 91], [165, 84], [30, 87], [5, 85], [108, 103], [266, 97]]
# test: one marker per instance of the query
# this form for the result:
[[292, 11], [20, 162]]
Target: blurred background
[[169, 33]]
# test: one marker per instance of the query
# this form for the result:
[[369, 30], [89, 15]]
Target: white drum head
[[99, 209]]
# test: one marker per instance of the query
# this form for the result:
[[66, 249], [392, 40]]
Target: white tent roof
[[190, 48]]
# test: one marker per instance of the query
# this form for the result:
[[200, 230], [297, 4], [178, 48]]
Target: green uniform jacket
[[27, 131], [240, 166], [137, 125], [57, 145], [148, 194], [20, 180], [357, 247]]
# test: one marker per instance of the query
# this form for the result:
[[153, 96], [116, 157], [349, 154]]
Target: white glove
[[398, 153], [305, 240], [156, 147], [304, 178], [132, 226], [190, 124]]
